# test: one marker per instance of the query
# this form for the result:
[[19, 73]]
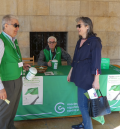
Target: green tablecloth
[[60, 96]]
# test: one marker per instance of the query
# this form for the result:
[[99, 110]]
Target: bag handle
[[100, 92]]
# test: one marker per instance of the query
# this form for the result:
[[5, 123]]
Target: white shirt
[[2, 48]]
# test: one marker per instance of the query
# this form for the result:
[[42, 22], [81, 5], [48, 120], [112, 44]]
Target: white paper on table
[[48, 73]]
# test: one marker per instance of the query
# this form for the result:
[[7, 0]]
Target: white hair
[[7, 19], [52, 37]]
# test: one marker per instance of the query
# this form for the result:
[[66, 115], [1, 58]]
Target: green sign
[[105, 62]]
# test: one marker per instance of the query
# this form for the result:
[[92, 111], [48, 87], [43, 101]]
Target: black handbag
[[99, 106]]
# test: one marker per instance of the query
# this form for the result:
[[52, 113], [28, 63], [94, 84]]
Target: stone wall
[[60, 15]]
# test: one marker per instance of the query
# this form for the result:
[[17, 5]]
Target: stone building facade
[[60, 15]]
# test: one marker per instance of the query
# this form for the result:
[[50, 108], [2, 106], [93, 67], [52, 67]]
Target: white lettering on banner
[[116, 69], [72, 107], [58, 108], [72, 104]]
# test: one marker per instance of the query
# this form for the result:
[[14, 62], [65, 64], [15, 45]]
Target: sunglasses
[[78, 26], [15, 25], [51, 42]]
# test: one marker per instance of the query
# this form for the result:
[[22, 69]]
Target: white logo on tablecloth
[[59, 108]]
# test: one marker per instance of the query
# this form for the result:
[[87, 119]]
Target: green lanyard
[[12, 45], [51, 54]]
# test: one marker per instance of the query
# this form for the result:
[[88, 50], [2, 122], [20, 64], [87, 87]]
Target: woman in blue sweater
[[86, 67]]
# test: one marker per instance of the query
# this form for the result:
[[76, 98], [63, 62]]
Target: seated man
[[52, 52]]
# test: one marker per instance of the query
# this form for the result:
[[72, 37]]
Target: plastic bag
[[99, 119]]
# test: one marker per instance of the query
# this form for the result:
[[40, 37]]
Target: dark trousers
[[8, 112]]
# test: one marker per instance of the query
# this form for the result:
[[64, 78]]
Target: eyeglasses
[[51, 42], [78, 26], [15, 25]]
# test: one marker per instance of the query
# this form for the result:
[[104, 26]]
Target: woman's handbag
[[98, 106]]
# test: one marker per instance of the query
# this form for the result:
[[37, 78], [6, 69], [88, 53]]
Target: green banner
[[60, 96], [59, 99]]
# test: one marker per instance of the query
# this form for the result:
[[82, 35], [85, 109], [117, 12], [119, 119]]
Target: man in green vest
[[10, 70], [52, 52]]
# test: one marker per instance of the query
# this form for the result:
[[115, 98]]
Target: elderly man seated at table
[[51, 52]]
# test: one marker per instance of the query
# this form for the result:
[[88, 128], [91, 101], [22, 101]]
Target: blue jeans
[[83, 105]]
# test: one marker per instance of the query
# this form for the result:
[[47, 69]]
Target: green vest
[[9, 64], [57, 57]]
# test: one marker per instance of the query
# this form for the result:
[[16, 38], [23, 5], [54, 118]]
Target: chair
[[29, 60]]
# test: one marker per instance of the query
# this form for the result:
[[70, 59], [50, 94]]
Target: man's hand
[[49, 63], [26, 66], [3, 94]]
